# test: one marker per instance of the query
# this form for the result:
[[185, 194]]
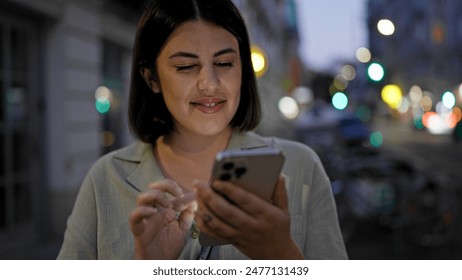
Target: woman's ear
[[150, 79]]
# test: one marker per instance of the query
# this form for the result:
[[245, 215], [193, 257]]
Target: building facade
[[425, 48]]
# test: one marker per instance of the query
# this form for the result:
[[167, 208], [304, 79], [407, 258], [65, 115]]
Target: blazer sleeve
[[80, 237], [324, 239], [312, 203]]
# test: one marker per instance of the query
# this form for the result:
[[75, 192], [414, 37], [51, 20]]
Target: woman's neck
[[187, 144], [185, 158]]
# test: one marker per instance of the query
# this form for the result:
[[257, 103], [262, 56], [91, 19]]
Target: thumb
[[280, 194]]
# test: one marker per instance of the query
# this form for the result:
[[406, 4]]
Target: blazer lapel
[[147, 170]]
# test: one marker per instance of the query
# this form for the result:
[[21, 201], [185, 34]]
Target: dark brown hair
[[149, 117]]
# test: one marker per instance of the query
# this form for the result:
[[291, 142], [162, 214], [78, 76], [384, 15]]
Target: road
[[435, 155]]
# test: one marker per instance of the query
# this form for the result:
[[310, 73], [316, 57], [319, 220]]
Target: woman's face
[[199, 75]]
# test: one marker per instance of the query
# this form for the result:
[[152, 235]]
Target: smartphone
[[256, 170]]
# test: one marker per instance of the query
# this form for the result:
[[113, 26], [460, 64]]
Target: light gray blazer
[[98, 227]]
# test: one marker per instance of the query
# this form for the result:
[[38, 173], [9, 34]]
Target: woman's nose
[[208, 79]]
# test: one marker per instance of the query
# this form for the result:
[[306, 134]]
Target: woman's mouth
[[209, 106]]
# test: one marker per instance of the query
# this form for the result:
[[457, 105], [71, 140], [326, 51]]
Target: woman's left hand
[[259, 229]]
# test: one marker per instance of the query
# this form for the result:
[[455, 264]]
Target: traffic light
[[376, 72]]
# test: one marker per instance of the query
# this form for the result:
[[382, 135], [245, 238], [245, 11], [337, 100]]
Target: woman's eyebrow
[[225, 51], [192, 55]]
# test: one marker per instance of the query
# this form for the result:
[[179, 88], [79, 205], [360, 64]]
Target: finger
[[227, 217], [168, 186], [245, 200], [181, 203], [138, 216], [279, 197], [212, 202], [154, 198], [214, 226], [156, 193]]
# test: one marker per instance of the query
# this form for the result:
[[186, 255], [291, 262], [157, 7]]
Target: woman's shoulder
[[132, 153], [290, 147]]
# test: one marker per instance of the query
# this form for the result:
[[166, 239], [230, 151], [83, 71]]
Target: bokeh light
[[426, 103], [415, 94], [348, 72], [386, 27], [449, 99], [339, 100], [259, 61], [107, 138], [392, 96], [303, 95], [404, 106], [376, 139], [457, 113], [288, 107], [340, 83], [363, 55], [103, 97], [375, 72]]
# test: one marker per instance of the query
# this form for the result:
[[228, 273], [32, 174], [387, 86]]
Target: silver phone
[[256, 170]]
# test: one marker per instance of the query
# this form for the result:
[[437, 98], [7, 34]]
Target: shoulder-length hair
[[149, 117]]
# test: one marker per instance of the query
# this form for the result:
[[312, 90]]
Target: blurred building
[[424, 49], [64, 73], [273, 29]]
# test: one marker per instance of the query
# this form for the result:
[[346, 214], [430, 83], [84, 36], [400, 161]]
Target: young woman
[[193, 94]]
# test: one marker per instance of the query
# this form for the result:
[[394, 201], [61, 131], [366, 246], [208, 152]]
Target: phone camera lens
[[240, 171], [225, 177], [228, 166]]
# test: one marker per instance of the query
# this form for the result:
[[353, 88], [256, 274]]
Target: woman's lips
[[209, 106]]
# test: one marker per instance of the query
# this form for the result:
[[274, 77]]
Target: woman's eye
[[224, 64], [185, 68]]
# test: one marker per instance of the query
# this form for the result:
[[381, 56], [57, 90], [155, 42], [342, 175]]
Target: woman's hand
[[259, 229], [158, 232]]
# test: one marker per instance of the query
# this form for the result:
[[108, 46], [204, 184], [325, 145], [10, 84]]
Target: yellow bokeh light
[[259, 61], [392, 95]]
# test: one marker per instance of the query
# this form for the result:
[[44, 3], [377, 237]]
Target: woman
[[193, 94]]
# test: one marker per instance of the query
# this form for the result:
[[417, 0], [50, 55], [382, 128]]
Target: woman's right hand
[[158, 232]]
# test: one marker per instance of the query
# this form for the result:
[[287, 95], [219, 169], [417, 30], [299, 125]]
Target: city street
[[436, 155]]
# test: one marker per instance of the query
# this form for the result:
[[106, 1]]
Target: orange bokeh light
[[426, 118]]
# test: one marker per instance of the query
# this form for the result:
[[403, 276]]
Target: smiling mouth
[[208, 105]]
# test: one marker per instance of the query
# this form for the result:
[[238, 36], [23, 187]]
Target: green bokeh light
[[102, 105], [376, 139], [340, 100]]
